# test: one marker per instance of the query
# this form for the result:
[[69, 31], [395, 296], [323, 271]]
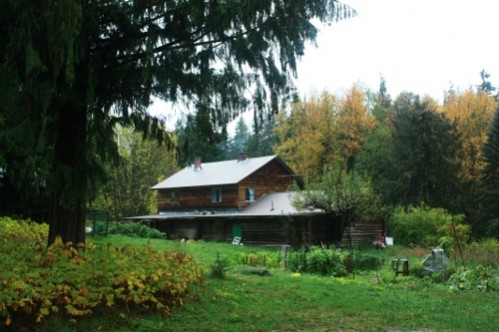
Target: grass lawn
[[283, 301]]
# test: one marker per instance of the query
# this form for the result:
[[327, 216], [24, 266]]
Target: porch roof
[[270, 205]]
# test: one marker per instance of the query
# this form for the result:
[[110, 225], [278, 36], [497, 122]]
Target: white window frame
[[250, 194]]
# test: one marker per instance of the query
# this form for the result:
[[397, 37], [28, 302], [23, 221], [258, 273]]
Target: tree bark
[[337, 228], [69, 176]]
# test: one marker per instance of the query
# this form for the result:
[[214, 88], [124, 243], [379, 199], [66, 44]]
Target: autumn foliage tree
[[353, 125], [324, 130], [305, 135], [472, 112]]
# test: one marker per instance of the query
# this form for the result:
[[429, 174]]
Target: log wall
[[272, 177], [363, 233], [197, 198]]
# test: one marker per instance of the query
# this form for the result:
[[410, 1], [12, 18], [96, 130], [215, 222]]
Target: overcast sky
[[420, 46]]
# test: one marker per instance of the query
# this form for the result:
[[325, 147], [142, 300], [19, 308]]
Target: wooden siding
[[272, 177], [363, 233], [261, 230], [197, 198], [267, 230]]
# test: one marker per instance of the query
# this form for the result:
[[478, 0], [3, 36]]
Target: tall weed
[[485, 252]]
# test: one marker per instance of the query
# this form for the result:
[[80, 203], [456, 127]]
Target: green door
[[236, 228]]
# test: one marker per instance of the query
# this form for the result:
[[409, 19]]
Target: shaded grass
[[374, 301], [307, 303]]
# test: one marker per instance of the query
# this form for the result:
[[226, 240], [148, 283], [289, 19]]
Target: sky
[[423, 46]]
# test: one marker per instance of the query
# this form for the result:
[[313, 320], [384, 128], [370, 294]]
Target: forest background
[[73, 95], [414, 150]]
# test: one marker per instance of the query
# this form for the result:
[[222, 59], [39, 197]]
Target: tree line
[[411, 149], [73, 72]]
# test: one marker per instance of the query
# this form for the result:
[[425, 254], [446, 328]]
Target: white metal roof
[[214, 173], [269, 205], [275, 204]]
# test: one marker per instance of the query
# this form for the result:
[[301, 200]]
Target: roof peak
[[215, 173]]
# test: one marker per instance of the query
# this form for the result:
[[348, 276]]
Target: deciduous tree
[[141, 164], [344, 197], [353, 124], [305, 136], [472, 112]]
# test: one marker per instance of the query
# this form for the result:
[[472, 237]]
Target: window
[[216, 195], [250, 194], [175, 197]]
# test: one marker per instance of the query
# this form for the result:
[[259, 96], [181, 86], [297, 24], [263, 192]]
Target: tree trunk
[[69, 176], [337, 229]]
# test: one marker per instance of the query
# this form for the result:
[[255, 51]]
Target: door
[[236, 229]]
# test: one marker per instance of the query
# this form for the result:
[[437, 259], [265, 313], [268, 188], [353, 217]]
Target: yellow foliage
[[34, 287], [58, 241], [323, 131], [472, 113]]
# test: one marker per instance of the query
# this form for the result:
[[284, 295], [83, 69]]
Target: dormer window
[[250, 194], [216, 195]]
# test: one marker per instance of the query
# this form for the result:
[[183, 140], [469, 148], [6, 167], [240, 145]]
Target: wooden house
[[224, 186], [250, 198]]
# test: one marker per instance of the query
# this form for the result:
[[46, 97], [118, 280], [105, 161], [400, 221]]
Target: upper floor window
[[250, 194], [216, 195], [175, 197]]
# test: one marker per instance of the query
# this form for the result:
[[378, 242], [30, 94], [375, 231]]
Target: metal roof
[[216, 173], [269, 205], [275, 204]]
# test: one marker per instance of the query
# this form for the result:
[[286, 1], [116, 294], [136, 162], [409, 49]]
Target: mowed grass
[[283, 301]]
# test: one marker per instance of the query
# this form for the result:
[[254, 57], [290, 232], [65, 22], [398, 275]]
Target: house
[[224, 186], [247, 197]]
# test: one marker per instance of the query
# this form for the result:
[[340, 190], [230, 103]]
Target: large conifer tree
[[488, 223], [74, 68], [424, 147]]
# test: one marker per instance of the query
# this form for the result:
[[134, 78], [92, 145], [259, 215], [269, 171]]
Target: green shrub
[[417, 270], [22, 231], [297, 261], [259, 258], [424, 226], [135, 230], [319, 260], [485, 252], [479, 277], [366, 261], [219, 268], [331, 261]]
